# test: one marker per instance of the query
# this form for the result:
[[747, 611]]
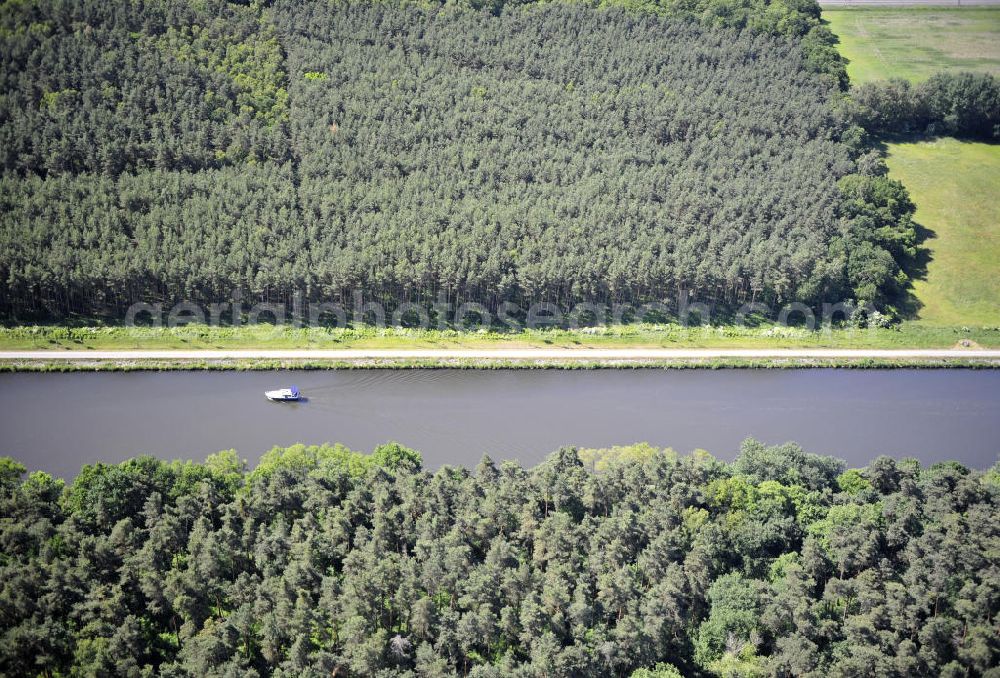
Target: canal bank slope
[[487, 358]]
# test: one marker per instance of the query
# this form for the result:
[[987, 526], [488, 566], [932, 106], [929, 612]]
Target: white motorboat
[[283, 394]]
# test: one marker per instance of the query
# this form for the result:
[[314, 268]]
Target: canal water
[[58, 421]]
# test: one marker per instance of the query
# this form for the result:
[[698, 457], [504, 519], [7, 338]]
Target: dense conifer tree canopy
[[170, 150], [630, 561]]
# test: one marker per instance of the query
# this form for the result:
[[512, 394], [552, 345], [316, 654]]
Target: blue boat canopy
[[295, 390]]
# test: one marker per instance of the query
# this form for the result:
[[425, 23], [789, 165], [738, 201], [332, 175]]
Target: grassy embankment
[[907, 335], [953, 183], [493, 364]]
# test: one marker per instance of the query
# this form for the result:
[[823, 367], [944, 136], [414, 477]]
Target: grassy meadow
[[954, 185], [916, 42]]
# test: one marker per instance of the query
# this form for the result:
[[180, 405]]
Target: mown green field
[[954, 185], [916, 42]]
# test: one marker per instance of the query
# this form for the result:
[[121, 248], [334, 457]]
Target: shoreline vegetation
[[323, 560], [633, 335], [493, 364], [194, 338]]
